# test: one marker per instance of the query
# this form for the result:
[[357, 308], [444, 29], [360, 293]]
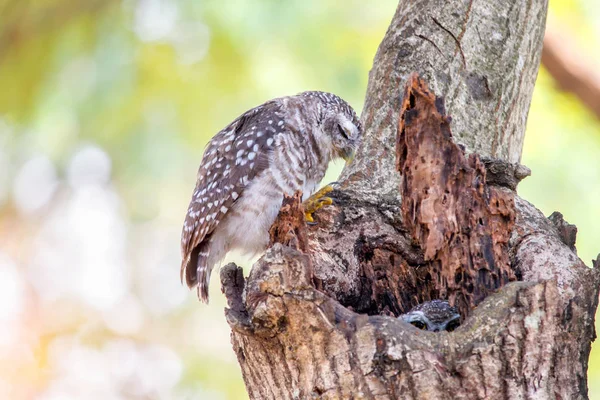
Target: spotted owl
[[277, 148], [434, 315]]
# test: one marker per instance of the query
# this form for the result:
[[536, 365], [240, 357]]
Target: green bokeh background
[[105, 107]]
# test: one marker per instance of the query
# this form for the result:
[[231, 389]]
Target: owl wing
[[232, 159]]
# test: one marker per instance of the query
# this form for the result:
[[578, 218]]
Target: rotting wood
[[289, 228], [461, 224], [530, 339]]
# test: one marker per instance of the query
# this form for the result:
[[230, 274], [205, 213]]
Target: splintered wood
[[461, 224], [289, 228]]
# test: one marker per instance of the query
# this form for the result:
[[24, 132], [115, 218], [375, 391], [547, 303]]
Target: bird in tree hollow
[[277, 148], [434, 315]]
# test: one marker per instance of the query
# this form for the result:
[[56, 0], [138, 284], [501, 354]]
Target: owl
[[277, 148], [434, 315]]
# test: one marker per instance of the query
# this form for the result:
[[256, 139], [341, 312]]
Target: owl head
[[339, 121], [434, 316]]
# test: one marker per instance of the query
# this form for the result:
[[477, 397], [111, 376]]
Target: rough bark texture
[[316, 316], [481, 56], [462, 224]]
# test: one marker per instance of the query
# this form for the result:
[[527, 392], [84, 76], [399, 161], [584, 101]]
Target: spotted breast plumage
[[277, 148]]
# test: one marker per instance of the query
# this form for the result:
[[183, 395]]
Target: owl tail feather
[[203, 275], [197, 271], [202, 272]]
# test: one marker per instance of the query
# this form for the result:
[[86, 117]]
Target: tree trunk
[[415, 218]]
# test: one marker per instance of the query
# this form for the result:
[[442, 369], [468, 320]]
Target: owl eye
[[342, 131], [419, 324], [452, 325]]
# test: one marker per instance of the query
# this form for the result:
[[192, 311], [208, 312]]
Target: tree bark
[[416, 218]]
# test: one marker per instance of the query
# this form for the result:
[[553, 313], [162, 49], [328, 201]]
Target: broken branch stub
[[289, 228], [461, 224]]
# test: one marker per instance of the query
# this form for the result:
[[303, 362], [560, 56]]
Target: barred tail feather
[[203, 271], [197, 270]]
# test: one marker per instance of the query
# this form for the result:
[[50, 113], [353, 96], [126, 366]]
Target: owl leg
[[316, 201]]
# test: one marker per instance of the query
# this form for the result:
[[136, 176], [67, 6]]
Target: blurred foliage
[[105, 106]]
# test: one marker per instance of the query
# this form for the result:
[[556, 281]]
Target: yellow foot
[[316, 201]]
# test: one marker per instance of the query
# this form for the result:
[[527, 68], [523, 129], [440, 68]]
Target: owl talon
[[316, 201]]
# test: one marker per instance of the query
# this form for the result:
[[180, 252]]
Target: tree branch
[[571, 70]]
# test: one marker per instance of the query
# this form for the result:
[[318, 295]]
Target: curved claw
[[315, 202]]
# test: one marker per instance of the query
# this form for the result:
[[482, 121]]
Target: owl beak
[[348, 155]]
